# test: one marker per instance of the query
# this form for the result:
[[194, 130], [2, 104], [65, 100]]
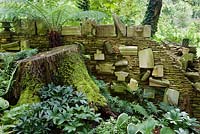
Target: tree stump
[[62, 66]]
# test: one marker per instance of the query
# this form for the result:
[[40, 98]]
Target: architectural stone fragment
[[158, 83], [158, 71], [128, 50], [133, 85], [146, 59], [107, 68], [121, 75], [99, 55], [121, 63], [171, 97]]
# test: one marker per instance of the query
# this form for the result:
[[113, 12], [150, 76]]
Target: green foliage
[[166, 130], [75, 73], [4, 104], [61, 108], [177, 119], [126, 124], [9, 68], [11, 117], [83, 4]]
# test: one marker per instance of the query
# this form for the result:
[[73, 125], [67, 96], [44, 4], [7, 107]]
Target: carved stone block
[[107, 68], [99, 55], [121, 76], [105, 31]]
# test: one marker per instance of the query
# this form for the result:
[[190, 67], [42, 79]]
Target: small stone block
[[107, 68], [71, 30], [171, 96], [149, 93], [121, 76], [146, 59], [158, 83], [146, 75], [133, 85], [24, 44], [158, 71], [99, 55], [147, 31], [121, 63], [128, 50]]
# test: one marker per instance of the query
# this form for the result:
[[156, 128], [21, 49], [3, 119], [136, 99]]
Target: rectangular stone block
[[71, 30], [158, 71], [105, 31], [146, 58], [171, 97], [139, 31], [128, 50]]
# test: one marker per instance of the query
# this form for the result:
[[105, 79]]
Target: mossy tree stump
[[62, 65]]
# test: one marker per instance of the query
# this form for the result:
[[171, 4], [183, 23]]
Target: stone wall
[[109, 53], [189, 99]]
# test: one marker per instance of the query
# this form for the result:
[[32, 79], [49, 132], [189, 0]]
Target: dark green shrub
[[62, 108]]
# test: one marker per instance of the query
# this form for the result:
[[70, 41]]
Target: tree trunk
[[54, 39], [152, 15]]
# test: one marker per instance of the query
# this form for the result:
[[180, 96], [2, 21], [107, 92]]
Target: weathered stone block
[[159, 83], [139, 31], [146, 75], [105, 31], [128, 50], [121, 28], [121, 63], [149, 93], [171, 97], [146, 58], [158, 71], [121, 76], [185, 59], [99, 55], [133, 85], [71, 30], [24, 44], [107, 68]]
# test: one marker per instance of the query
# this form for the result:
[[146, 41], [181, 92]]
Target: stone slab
[[158, 83], [171, 97], [149, 93], [158, 71], [71, 30], [146, 58], [133, 84], [119, 25], [105, 31], [121, 63]]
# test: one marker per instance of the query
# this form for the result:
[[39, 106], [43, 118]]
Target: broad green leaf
[[122, 119], [132, 129], [3, 103], [166, 130]]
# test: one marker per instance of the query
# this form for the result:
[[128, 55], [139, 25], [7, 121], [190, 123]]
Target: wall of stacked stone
[[189, 99]]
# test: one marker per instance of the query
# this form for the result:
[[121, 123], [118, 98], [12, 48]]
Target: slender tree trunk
[[54, 39], [152, 15]]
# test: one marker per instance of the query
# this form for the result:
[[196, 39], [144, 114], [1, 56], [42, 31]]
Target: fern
[[83, 4], [139, 109]]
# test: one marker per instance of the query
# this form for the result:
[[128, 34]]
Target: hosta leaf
[[122, 119], [166, 130]]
